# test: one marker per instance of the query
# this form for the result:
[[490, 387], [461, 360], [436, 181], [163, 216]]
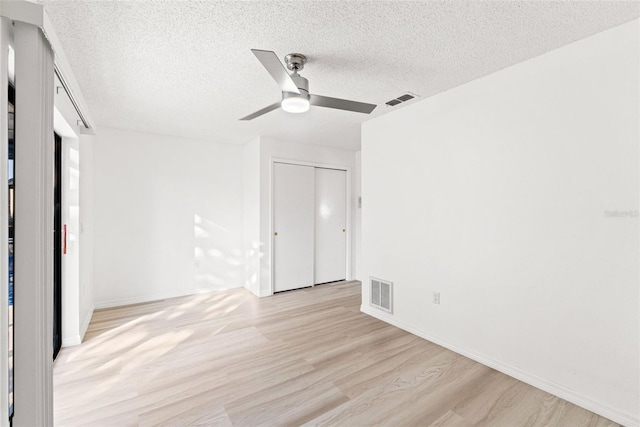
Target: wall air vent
[[381, 294], [402, 98]]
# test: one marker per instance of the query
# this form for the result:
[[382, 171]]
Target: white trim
[[517, 373], [272, 163], [133, 300], [153, 298], [71, 341], [348, 237]]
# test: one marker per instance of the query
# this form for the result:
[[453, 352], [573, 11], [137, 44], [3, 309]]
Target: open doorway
[[58, 246]]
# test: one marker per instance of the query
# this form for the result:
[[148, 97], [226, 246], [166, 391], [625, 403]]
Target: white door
[[330, 224], [293, 208]]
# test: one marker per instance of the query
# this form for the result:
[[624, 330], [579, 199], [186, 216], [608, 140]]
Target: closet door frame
[[349, 235]]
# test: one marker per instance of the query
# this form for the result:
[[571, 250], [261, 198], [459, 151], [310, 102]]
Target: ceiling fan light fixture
[[295, 88], [295, 104]]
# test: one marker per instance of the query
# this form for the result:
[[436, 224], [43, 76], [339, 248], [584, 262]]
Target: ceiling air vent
[[381, 293], [402, 98]]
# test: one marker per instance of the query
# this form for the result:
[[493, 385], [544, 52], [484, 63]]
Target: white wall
[[86, 239], [253, 248], [357, 218], [258, 157], [167, 217], [496, 194]]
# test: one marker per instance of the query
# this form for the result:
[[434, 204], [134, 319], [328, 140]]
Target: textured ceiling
[[185, 68]]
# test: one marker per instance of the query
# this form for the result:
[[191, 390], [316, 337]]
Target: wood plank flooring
[[305, 357]]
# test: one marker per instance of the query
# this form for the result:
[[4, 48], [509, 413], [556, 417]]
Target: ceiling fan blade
[[263, 111], [273, 65], [341, 104]]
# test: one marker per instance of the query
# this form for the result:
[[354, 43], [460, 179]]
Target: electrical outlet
[[436, 297]]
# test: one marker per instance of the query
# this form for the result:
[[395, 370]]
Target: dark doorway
[[11, 174], [57, 247]]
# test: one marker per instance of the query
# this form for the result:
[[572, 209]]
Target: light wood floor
[[301, 357]]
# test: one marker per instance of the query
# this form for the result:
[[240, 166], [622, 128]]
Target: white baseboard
[[569, 395], [152, 297], [71, 341], [136, 300]]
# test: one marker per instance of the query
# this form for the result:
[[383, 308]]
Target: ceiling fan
[[295, 88]]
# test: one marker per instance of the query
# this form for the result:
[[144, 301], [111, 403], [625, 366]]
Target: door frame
[[348, 250]]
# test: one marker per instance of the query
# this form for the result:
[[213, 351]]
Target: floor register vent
[[381, 293]]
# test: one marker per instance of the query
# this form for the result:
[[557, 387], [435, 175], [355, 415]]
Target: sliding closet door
[[293, 238], [330, 225]]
